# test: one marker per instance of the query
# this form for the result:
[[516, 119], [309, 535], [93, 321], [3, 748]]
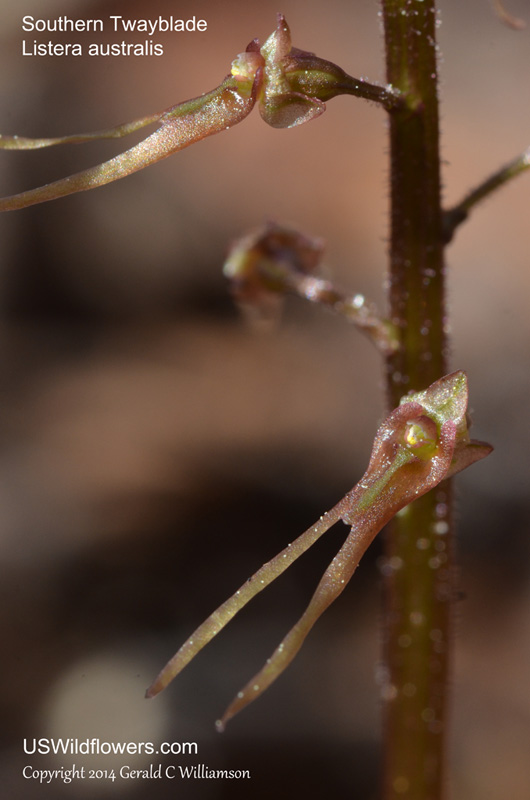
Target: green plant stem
[[417, 569], [454, 217], [315, 83], [355, 308], [389, 99]]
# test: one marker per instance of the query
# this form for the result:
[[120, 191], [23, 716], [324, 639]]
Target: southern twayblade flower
[[289, 85], [268, 263], [422, 442]]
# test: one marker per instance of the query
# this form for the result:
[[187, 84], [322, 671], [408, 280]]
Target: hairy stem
[[454, 217], [355, 308], [417, 571]]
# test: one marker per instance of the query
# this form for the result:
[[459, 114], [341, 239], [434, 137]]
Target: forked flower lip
[[288, 84], [422, 442]]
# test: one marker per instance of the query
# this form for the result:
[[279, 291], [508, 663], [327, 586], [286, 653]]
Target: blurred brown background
[[155, 451]]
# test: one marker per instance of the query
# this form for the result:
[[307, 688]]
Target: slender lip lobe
[[405, 463]]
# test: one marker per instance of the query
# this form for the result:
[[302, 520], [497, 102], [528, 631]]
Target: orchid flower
[[422, 442], [268, 263], [290, 86]]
